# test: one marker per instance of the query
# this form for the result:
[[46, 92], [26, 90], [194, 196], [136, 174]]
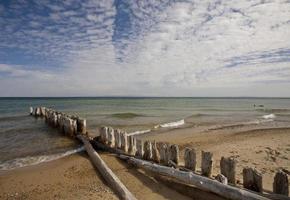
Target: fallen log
[[100, 146], [106, 172], [200, 182]]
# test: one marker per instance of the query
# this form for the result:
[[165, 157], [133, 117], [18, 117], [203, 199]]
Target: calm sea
[[25, 140]]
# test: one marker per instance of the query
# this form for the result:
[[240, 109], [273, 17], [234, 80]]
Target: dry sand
[[266, 150], [74, 177]]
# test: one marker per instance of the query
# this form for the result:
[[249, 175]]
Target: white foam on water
[[34, 160], [270, 116], [171, 124], [139, 132]]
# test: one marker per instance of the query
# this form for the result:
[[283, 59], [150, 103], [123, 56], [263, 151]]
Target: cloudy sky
[[145, 48]]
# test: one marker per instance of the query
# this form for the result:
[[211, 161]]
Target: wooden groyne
[[164, 159], [75, 127], [165, 154]]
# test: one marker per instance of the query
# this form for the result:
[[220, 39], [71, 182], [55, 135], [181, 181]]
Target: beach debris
[[206, 163], [106, 172], [228, 169], [117, 141], [155, 153], [189, 178], [221, 178], [147, 150], [190, 158], [140, 149], [252, 179], [281, 183], [174, 153]]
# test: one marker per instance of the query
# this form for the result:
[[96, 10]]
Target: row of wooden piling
[[68, 124], [168, 154]]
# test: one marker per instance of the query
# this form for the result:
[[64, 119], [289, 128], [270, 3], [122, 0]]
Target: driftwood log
[[106, 172], [200, 182]]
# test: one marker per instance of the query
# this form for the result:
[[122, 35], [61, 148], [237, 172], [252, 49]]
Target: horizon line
[[217, 97]]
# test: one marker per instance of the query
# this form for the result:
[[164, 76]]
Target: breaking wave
[[171, 124], [265, 119], [34, 160], [270, 116]]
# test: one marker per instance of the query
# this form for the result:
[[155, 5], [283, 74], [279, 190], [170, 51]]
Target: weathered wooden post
[[221, 178], [132, 145], [111, 137], [140, 149], [117, 134], [281, 183], [53, 119], [81, 126], [124, 141], [206, 163], [252, 179], [190, 159], [42, 111], [147, 150], [70, 127], [60, 122], [37, 111], [58, 116], [155, 153], [174, 153], [31, 111], [164, 154], [103, 133], [47, 115], [228, 169]]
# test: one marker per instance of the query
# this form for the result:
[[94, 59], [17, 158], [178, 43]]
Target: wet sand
[[71, 177], [74, 177]]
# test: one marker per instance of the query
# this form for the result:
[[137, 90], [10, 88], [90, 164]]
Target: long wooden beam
[[200, 182], [106, 172]]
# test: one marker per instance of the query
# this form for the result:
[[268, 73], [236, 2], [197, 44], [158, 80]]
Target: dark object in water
[[260, 106]]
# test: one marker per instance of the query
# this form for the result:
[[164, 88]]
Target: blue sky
[[144, 48]]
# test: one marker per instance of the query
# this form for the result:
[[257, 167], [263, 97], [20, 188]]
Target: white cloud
[[200, 48]]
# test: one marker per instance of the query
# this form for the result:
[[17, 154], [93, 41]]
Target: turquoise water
[[23, 136]]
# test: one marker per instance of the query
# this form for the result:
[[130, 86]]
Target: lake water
[[25, 140]]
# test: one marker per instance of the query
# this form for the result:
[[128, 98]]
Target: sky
[[145, 48]]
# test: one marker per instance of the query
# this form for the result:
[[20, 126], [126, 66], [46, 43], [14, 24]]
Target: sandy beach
[[267, 150], [74, 177]]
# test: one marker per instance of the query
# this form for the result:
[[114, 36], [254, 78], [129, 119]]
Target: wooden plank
[[113, 181], [200, 182]]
